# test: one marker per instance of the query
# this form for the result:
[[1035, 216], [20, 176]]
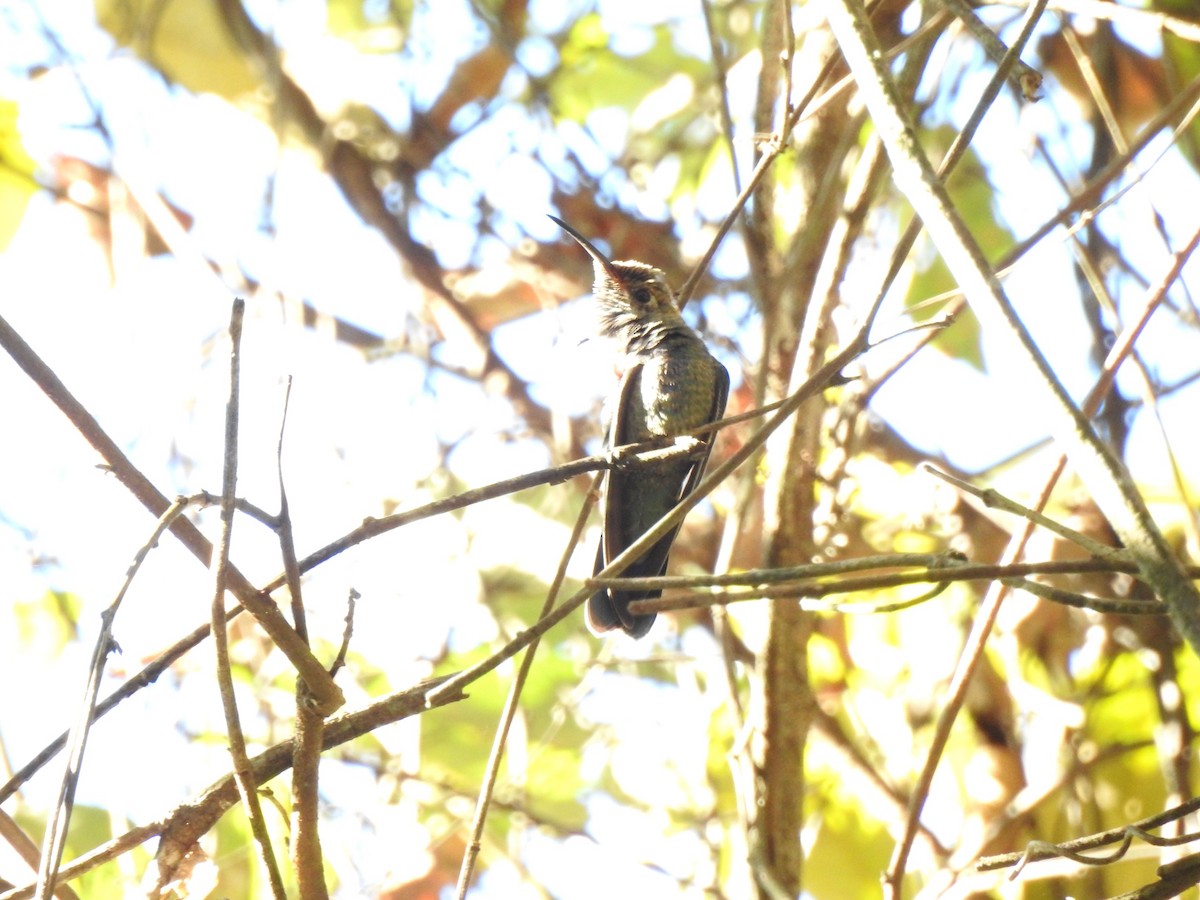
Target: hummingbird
[[670, 384]]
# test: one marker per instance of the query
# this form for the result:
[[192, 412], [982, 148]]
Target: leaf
[[90, 827], [188, 42], [846, 834], [960, 340], [46, 625], [593, 76], [17, 184], [1183, 61], [972, 195]]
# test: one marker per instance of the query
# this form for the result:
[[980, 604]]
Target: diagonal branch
[[1104, 475], [185, 824], [820, 380], [328, 695]]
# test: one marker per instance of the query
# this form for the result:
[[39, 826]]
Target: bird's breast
[[675, 394]]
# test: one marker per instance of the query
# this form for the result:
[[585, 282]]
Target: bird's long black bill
[[601, 260]]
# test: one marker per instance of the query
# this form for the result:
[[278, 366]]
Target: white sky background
[[149, 360]]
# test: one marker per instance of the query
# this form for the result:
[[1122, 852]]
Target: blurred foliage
[[49, 623], [371, 30], [189, 43], [17, 184], [445, 132]]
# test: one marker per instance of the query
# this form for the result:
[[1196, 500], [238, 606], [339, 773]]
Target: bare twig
[[1026, 80], [259, 605], [628, 455], [819, 382], [310, 723], [512, 701], [220, 565], [187, 822], [56, 828], [991, 497], [1123, 836], [768, 584], [340, 660], [1092, 79], [990, 607]]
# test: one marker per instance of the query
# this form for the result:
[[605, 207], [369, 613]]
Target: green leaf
[[972, 195], [593, 76], [959, 340], [1182, 58], [90, 827]]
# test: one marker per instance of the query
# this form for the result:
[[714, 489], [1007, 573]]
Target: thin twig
[[220, 565], [60, 818], [1092, 79], [819, 382], [259, 605], [310, 723], [810, 592], [340, 660], [184, 825], [512, 701], [1026, 80], [625, 456], [1038, 850], [287, 543], [992, 498], [647, 453], [782, 574]]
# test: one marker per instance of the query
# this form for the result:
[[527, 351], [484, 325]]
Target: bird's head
[[635, 300]]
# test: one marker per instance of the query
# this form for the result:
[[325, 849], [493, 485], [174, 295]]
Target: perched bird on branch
[[670, 385]]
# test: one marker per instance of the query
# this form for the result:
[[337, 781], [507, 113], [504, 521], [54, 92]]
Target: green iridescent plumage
[[670, 385]]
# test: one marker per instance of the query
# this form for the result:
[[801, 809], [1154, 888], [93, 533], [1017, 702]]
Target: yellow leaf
[[16, 173], [188, 41]]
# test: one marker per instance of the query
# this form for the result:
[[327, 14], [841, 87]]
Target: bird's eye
[[641, 295]]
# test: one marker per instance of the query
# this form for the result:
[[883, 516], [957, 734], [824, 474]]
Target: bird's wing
[[654, 561], [615, 491], [720, 397]]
